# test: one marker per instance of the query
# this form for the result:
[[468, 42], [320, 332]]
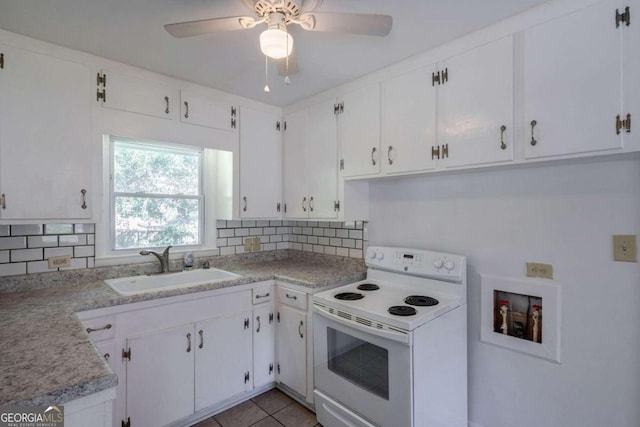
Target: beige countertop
[[46, 356]]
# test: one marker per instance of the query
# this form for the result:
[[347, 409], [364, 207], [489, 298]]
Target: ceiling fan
[[275, 41]]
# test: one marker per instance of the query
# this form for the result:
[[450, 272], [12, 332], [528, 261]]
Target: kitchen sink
[[156, 282]]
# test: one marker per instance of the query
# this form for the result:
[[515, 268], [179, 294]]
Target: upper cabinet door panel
[[631, 76], [359, 122], [323, 160], [296, 159], [572, 83], [475, 103], [409, 122], [135, 95], [203, 110], [45, 136]]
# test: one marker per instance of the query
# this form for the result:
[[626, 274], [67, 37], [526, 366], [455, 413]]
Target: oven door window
[[362, 363]]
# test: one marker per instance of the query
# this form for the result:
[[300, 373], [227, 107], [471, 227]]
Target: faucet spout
[[163, 258]]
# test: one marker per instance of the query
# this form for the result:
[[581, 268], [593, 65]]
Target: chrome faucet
[[164, 258]]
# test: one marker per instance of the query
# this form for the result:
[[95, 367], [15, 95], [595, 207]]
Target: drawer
[[100, 328], [293, 298], [262, 294]]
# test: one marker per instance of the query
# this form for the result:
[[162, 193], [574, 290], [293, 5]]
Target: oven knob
[[380, 255], [372, 255], [449, 265], [438, 263]]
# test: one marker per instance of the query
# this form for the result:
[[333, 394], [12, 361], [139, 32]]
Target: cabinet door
[[475, 103], [292, 349], [128, 93], [296, 162], [259, 164], [409, 122], [263, 346], [572, 81], [631, 82], [223, 358], [160, 376], [198, 109], [323, 160], [45, 137], [359, 123]]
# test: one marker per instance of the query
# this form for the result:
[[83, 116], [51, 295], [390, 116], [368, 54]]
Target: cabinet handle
[[189, 343], [533, 125], [258, 320], [502, 144], [311, 203], [389, 154], [107, 326], [293, 297], [84, 199], [166, 100], [373, 151], [304, 204], [201, 333], [186, 110], [244, 208], [4, 201], [300, 329], [263, 296]]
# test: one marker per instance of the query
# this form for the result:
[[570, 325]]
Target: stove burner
[[368, 287], [349, 296], [402, 310], [420, 300]]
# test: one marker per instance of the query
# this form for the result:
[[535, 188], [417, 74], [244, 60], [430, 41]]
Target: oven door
[[363, 370]]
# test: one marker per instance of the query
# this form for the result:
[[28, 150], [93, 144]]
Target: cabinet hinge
[[277, 125], [233, 117], [284, 126], [278, 316], [623, 123], [435, 152], [128, 423], [445, 151], [341, 107], [101, 79], [444, 75], [336, 206], [336, 109], [246, 323], [435, 78], [101, 95], [624, 17], [246, 377], [278, 207], [270, 368], [1, 60], [285, 208], [341, 164], [126, 354], [278, 368], [270, 318]]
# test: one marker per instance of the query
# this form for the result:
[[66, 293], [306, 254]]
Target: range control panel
[[417, 262]]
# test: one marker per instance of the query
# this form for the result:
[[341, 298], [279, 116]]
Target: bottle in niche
[[188, 261]]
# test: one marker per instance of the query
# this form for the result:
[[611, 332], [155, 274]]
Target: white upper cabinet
[[630, 75], [311, 162], [359, 124], [125, 92], [260, 164], [409, 122], [475, 106], [199, 109], [45, 137], [572, 83]]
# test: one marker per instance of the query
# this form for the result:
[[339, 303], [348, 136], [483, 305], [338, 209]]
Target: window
[[156, 195]]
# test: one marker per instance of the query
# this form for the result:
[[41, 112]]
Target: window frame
[[167, 146]]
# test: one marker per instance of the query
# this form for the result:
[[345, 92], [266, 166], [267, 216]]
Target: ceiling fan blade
[[350, 23], [206, 26], [309, 5], [282, 65]]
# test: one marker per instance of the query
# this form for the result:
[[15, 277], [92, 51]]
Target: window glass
[[156, 195]]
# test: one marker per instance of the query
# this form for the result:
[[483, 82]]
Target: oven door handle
[[398, 336]]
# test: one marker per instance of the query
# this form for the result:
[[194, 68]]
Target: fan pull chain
[[266, 74], [287, 80]]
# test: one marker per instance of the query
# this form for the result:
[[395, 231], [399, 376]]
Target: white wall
[[564, 215]]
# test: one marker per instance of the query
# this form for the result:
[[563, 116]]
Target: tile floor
[[270, 409]]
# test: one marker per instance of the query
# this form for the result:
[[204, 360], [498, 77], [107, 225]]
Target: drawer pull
[[107, 326], [262, 296], [293, 297]]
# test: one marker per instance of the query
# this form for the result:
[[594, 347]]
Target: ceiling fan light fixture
[[276, 43]]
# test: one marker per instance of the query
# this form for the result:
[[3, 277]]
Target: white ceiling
[[131, 31]]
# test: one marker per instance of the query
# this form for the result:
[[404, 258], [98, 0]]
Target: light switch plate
[[625, 248], [59, 261], [537, 269], [248, 244], [256, 244]]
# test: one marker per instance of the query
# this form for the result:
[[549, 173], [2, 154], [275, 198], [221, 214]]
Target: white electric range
[[391, 350]]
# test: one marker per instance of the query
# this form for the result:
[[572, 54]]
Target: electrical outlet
[[256, 244], [625, 248], [248, 244], [537, 269], [59, 261]]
